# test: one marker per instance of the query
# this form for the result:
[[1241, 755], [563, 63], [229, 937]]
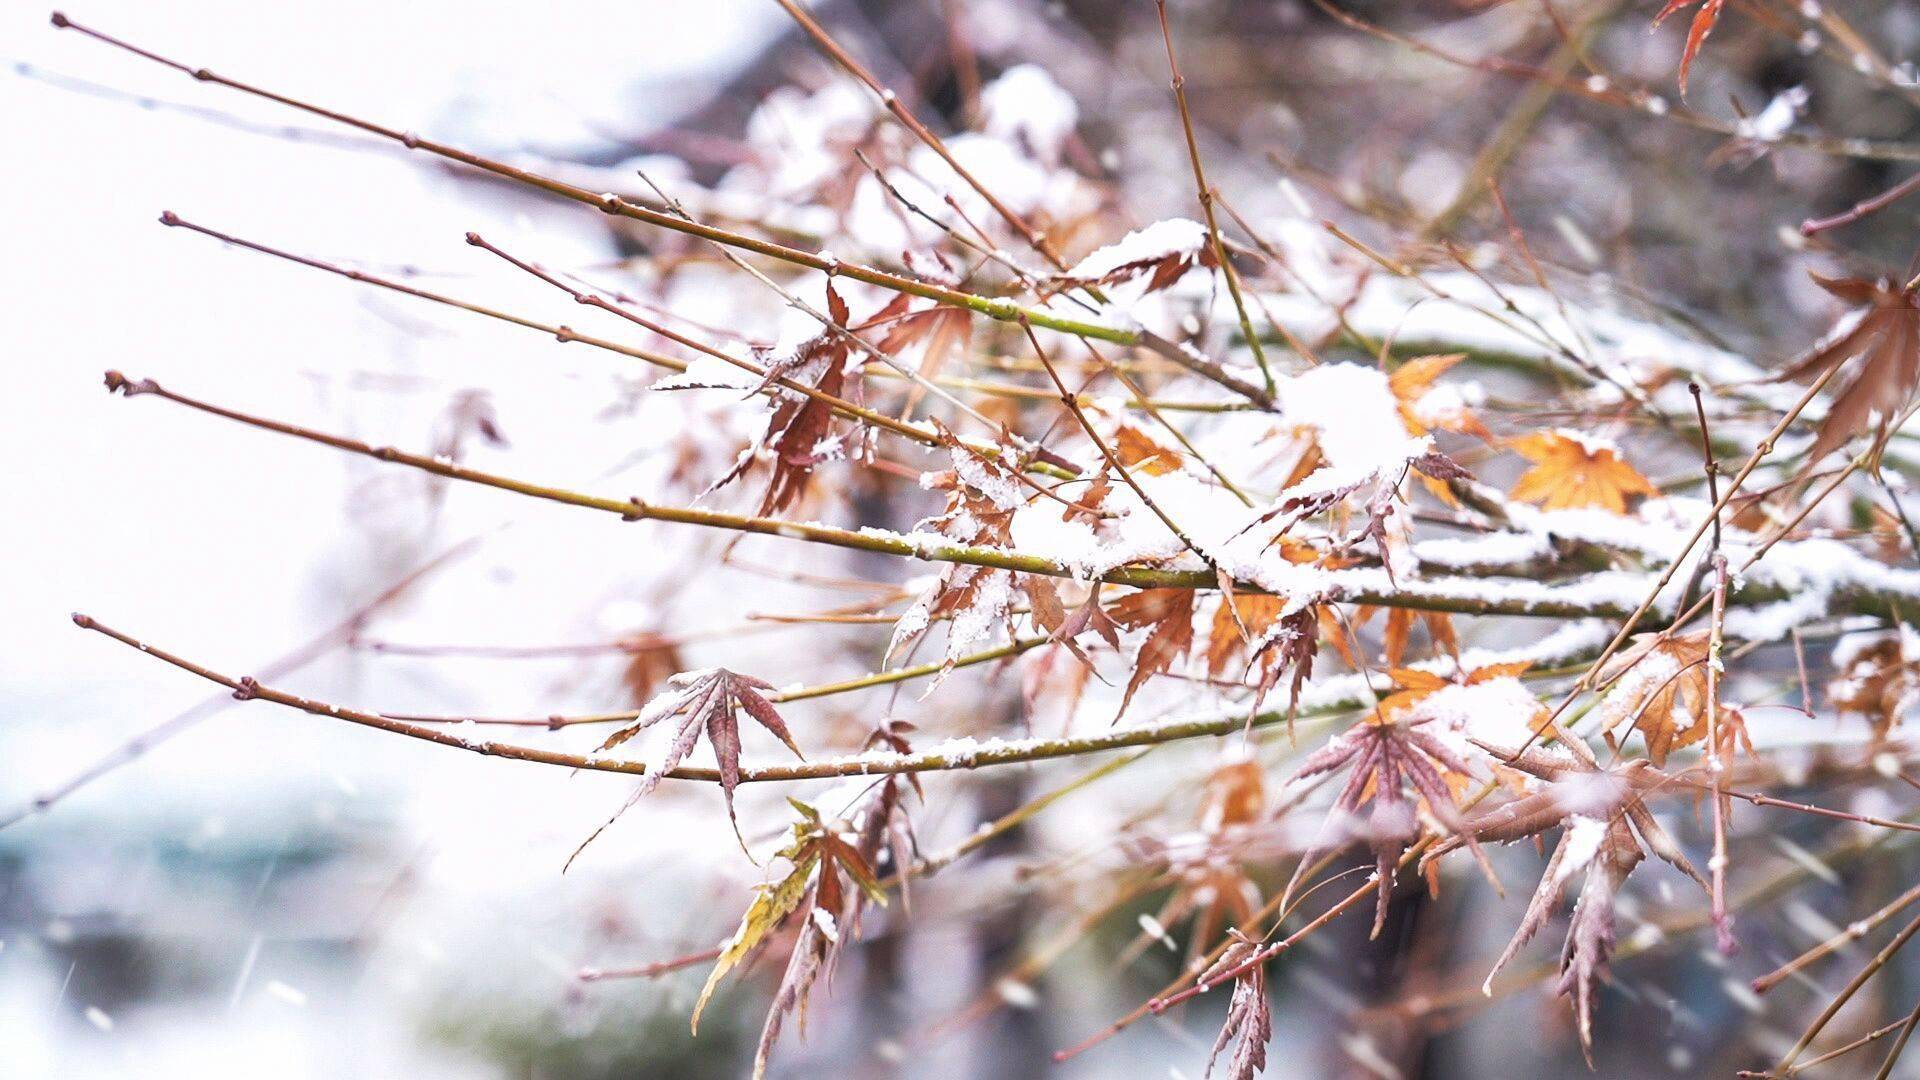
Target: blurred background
[[262, 893]]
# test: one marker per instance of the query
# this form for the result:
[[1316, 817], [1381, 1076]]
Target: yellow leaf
[[771, 904]]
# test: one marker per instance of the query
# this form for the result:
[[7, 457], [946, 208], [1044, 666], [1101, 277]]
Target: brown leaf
[[1879, 681], [1388, 760], [1237, 621], [799, 431], [1141, 452], [1170, 613], [823, 865], [1661, 686], [1249, 1023], [708, 700], [1880, 345]]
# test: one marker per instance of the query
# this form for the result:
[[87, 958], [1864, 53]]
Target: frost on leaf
[[800, 432], [1249, 1024], [1878, 677], [1608, 830], [1571, 470], [1394, 761], [1877, 348], [822, 866], [982, 496], [1160, 254], [1659, 685], [708, 700]]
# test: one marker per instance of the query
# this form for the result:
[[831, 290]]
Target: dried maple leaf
[[982, 496], [652, 660], [1211, 884], [823, 865], [1388, 758], [1161, 253], [1238, 620], [1170, 613], [799, 431], [880, 826], [1423, 406], [1142, 453], [936, 330], [1878, 678], [1660, 685], [1608, 830], [1702, 25], [1879, 344], [1289, 645], [708, 700], [1399, 630], [1249, 1023], [1572, 470]]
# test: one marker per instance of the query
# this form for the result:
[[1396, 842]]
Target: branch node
[[120, 384], [638, 512], [564, 334], [248, 689]]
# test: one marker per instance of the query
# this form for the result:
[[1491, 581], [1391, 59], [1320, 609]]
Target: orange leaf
[[1571, 471]]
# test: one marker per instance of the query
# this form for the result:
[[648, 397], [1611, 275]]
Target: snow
[[1353, 414], [1170, 237], [1778, 117], [1025, 104], [1499, 712]]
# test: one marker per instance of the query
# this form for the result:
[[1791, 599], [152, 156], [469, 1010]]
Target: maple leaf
[[1660, 685], [1239, 619], [1161, 253], [799, 431], [937, 330], [1142, 453], [1879, 344], [1399, 630], [1249, 1023], [707, 700], [1415, 686], [1421, 407], [1211, 886], [880, 825], [1290, 644], [982, 496], [1387, 757], [653, 660], [1879, 679], [1608, 830], [823, 864], [1571, 470], [1170, 613], [1702, 25]]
